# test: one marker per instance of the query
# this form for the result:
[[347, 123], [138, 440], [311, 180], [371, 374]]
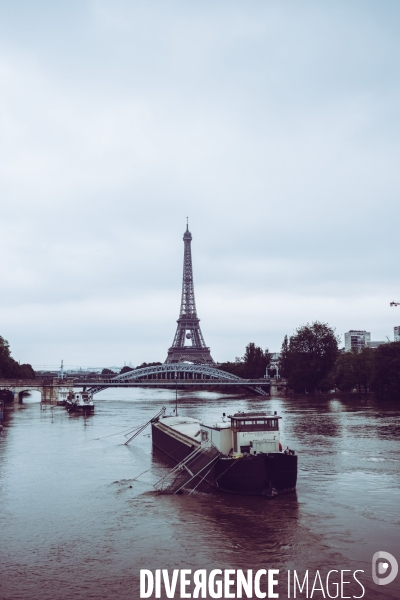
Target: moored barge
[[249, 461], [80, 402]]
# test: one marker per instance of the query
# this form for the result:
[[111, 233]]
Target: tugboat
[[80, 402], [242, 454]]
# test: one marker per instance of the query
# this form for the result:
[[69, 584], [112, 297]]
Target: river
[[79, 517]]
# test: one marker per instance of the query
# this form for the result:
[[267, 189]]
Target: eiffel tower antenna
[[188, 322]]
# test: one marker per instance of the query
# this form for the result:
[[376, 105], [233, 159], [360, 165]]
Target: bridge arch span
[[16, 392], [177, 372], [178, 368]]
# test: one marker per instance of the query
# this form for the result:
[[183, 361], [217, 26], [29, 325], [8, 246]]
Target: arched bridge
[[168, 375], [51, 389]]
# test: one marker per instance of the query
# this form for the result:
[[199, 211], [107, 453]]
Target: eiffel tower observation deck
[[188, 330]]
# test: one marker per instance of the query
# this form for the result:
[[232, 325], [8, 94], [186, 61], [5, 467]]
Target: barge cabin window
[[254, 424]]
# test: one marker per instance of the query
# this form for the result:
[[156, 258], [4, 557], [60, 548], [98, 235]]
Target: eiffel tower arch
[[188, 323]]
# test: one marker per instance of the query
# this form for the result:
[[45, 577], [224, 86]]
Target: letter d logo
[[380, 568]]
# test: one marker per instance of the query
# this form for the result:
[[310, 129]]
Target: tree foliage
[[252, 365], [353, 371], [308, 357], [10, 368], [386, 371], [126, 369], [150, 364], [236, 367]]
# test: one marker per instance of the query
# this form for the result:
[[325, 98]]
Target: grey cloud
[[274, 126]]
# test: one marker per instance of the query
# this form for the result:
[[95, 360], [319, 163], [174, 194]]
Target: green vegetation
[[108, 372], [386, 371], [354, 370], [9, 368], [311, 362], [251, 366], [308, 357], [150, 364], [370, 370]]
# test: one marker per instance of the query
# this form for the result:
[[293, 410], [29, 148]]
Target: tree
[[364, 368], [107, 372], [26, 371], [150, 364], [345, 372], [235, 368], [353, 370], [284, 361], [256, 361], [252, 365], [9, 368], [386, 371], [308, 357], [126, 369]]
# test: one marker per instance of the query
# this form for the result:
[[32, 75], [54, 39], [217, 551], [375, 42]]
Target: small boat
[[241, 454], [80, 402]]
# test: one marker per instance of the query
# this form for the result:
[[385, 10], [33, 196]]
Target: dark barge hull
[[250, 475], [73, 408]]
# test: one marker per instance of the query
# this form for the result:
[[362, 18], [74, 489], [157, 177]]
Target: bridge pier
[[49, 394], [277, 388], [57, 390]]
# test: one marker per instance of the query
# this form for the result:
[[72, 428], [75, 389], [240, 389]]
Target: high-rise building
[[396, 333], [356, 340]]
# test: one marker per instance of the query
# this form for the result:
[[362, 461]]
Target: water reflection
[[80, 517], [243, 522]]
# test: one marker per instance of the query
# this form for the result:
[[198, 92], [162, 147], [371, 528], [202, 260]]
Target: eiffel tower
[[188, 323]]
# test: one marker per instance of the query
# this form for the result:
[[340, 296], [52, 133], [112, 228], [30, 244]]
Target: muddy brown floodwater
[[79, 517]]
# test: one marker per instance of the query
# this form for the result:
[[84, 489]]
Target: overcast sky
[[273, 124]]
